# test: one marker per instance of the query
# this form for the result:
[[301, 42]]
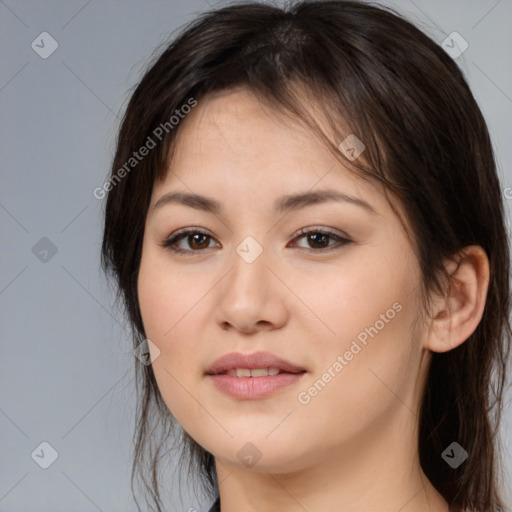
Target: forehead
[[231, 144], [234, 125]]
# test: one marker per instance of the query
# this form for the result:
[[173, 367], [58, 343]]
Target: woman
[[306, 227]]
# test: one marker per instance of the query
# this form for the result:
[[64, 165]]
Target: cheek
[[367, 350], [165, 298], [358, 384], [171, 315], [367, 301]]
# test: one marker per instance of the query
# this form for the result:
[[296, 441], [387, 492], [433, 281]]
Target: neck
[[378, 471]]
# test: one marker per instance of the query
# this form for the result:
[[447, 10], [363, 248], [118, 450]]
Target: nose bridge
[[249, 296], [250, 266]]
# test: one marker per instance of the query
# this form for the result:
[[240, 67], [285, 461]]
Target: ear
[[459, 311]]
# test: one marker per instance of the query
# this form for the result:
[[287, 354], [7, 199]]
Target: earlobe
[[458, 313]]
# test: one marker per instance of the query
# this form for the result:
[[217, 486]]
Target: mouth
[[253, 387], [253, 376], [258, 364], [256, 372]]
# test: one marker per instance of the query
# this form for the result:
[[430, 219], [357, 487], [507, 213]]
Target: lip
[[253, 388], [235, 360]]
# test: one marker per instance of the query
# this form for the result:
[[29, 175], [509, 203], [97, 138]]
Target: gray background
[[66, 366]]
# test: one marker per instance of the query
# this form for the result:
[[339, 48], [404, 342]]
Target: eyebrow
[[282, 205]]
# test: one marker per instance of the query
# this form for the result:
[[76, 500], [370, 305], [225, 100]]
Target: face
[[331, 286]]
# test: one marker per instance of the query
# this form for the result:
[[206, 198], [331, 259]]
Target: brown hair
[[371, 73]]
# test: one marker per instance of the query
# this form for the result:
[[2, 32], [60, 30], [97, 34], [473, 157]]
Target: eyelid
[[340, 238], [182, 233], [320, 229]]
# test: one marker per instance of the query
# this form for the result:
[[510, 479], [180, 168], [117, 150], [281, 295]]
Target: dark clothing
[[215, 506]]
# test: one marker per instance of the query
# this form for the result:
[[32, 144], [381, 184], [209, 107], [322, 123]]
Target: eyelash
[[170, 243]]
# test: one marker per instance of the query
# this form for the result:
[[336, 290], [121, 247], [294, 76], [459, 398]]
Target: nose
[[251, 298]]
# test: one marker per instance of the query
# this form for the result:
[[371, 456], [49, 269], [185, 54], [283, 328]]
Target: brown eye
[[195, 241], [318, 240]]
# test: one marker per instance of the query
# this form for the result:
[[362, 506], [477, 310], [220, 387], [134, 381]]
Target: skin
[[353, 446]]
